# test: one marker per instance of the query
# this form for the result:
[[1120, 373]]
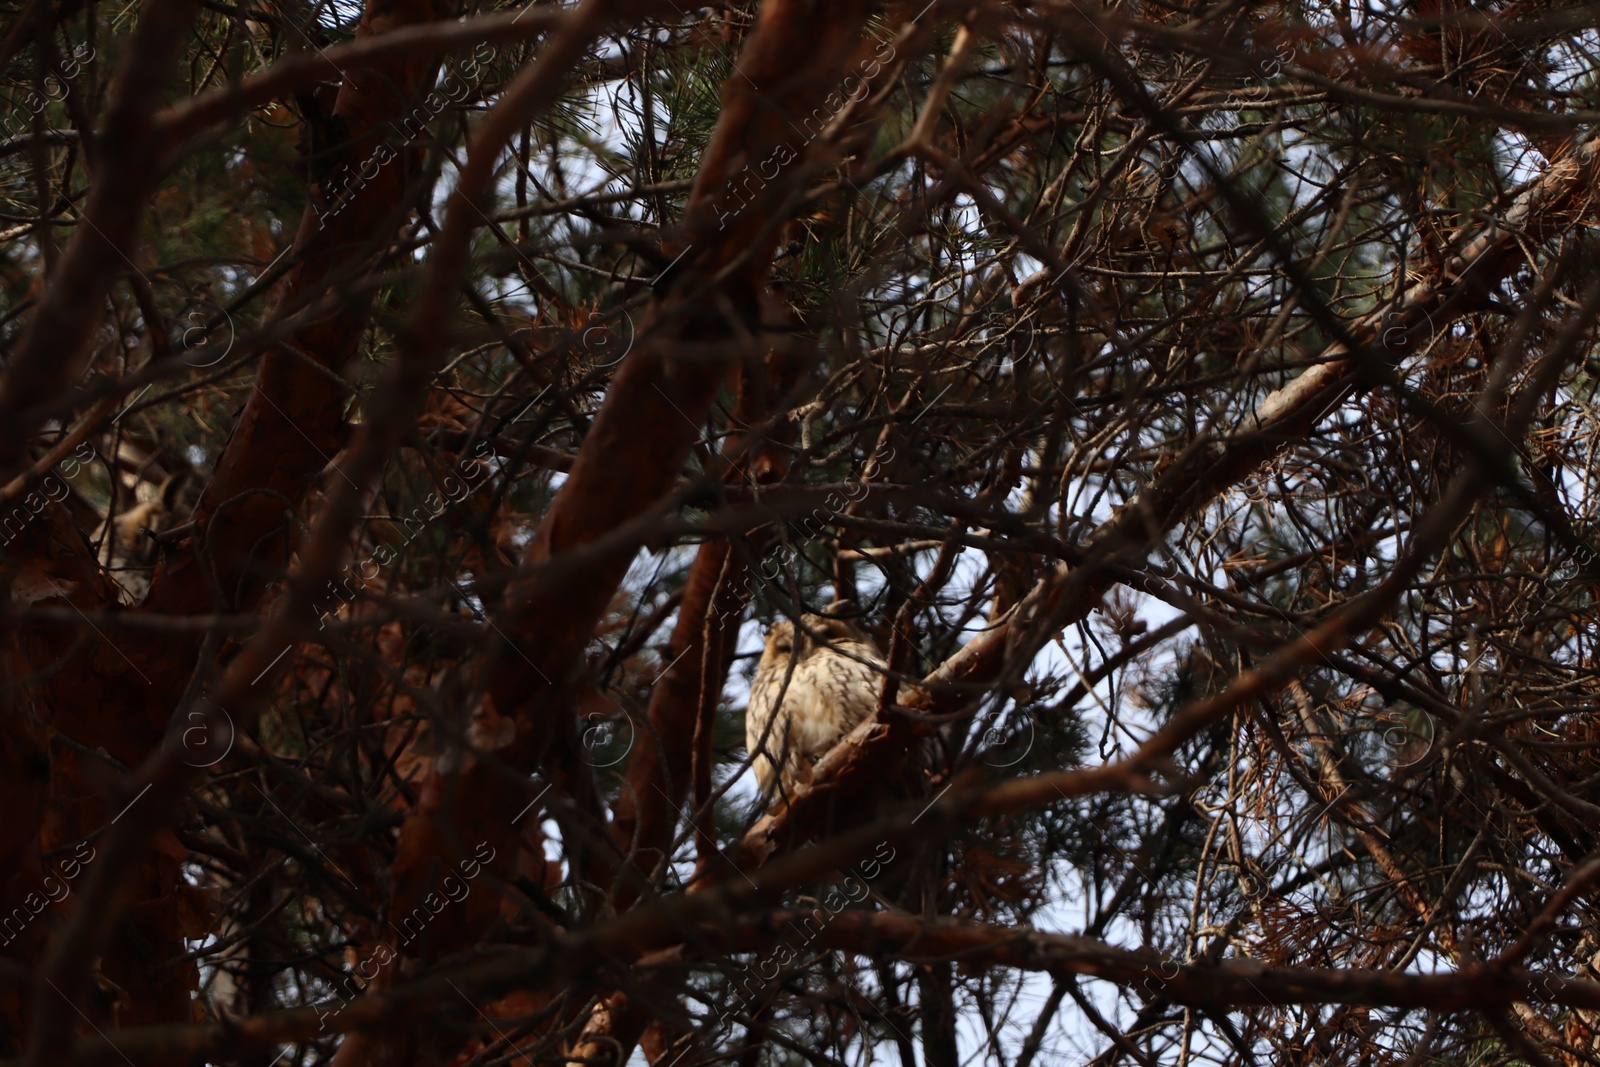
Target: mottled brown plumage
[[834, 685]]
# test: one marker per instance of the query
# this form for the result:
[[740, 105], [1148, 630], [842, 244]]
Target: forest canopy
[[955, 532]]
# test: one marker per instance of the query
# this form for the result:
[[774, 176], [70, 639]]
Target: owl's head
[[784, 639]]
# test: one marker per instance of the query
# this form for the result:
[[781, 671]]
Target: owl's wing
[[857, 685]]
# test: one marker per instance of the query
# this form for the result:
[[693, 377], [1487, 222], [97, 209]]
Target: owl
[[794, 718]]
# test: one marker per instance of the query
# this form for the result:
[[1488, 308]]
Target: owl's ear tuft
[[846, 608], [841, 628]]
